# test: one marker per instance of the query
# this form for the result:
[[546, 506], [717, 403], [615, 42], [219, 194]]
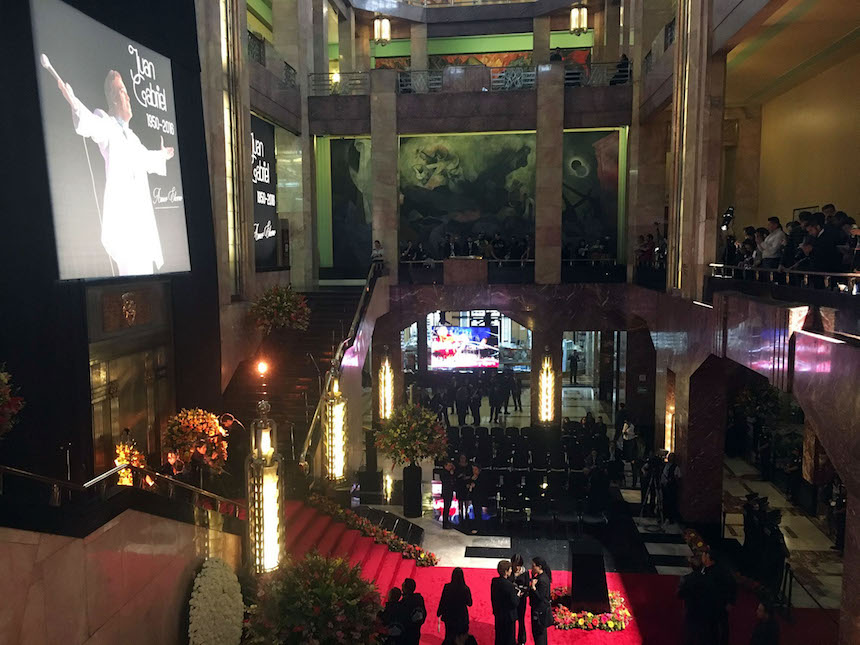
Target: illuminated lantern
[[578, 20], [381, 31], [335, 430], [546, 390], [386, 389], [265, 468]]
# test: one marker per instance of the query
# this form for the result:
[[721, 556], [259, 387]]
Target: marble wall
[[127, 582]]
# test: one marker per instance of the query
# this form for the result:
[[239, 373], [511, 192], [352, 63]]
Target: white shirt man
[[129, 231], [771, 247]]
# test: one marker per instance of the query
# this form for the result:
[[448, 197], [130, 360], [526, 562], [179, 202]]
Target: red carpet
[[656, 610]]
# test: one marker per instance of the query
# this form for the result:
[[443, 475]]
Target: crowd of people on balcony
[[651, 250], [512, 249], [820, 242]]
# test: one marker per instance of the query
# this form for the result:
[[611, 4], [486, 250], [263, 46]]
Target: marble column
[[647, 146], [607, 48], [363, 33], [423, 349], [849, 616], [383, 160], [293, 34], [639, 392], [346, 42], [742, 178], [697, 125], [548, 175], [418, 46], [320, 36], [540, 47]]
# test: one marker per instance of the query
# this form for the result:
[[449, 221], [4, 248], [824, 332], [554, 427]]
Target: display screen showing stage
[[453, 348], [112, 148]]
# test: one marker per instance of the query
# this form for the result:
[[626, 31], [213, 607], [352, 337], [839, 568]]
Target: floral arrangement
[[411, 434], [216, 611], [695, 541], [127, 453], [760, 402], [281, 308], [315, 601], [10, 405], [187, 427], [369, 529], [615, 620]]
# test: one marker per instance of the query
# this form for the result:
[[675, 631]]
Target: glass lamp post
[[546, 391], [265, 469], [335, 430], [386, 389]]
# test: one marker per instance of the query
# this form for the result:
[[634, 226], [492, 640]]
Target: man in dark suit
[[825, 254], [449, 483], [504, 598]]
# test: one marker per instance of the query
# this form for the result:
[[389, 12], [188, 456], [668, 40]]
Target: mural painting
[[351, 199], [590, 194], [466, 186]]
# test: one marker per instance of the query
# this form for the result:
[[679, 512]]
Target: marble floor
[[817, 568]]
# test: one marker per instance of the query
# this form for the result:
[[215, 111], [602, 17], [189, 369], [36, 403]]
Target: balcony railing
[[846, 283], [419, 81], [459, 3], [599, 74], [503, 79], [352, 84], [260, 51]]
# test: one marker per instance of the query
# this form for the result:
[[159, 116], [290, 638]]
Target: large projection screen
[[112, 149]]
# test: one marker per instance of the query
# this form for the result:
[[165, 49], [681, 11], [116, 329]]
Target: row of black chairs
[[536, 449], [401, 527]]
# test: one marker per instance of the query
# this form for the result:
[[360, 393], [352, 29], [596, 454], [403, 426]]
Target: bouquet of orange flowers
[[187, 428]]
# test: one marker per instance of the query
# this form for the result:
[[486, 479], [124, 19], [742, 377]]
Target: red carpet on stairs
[[657, 612]]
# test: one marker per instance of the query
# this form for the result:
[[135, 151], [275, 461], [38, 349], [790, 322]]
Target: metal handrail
[[57, 484], [314, 430], [352, 83], [728, 271], [106, 475], [17, 472]]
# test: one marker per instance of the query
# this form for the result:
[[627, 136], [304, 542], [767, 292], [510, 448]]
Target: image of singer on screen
[[129, 230]]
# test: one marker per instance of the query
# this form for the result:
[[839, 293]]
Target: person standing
[[504, 599], [573, 360], [517, 391], [454, 605], [621, 417], [462, 400], [449, 484], [771, 246], [520, 576], [475, 404], [699, 628], [669, 482], [414, 613], [723, 592], [539, 598], [463, 474], [392, 618], [766, 630], [477, 494]]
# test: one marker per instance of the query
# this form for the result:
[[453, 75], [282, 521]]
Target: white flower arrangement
[[216, 609]]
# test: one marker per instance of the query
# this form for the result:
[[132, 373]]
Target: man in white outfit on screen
[[129, 231]]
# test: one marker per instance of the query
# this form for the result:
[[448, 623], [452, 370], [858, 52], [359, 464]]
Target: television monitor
[[454, 348], [112, 148]]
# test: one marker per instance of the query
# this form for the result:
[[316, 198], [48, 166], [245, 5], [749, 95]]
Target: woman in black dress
[[520, 578], [454, 606], [539, 597]]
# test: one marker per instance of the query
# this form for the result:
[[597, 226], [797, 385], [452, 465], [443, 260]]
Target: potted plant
[[315, 600], [189, 431], [411, 434], [281, 308], [10, 404]]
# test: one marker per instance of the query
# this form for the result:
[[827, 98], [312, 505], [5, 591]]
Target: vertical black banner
[[265, 188]]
